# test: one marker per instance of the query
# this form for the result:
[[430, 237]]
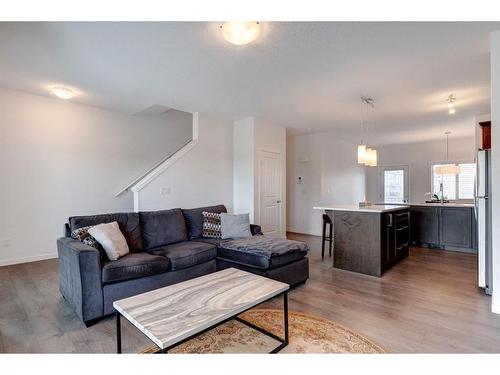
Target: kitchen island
[[371, 239]]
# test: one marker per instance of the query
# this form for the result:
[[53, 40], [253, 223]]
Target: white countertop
[[442, 204], [374, 208], [424, 204]]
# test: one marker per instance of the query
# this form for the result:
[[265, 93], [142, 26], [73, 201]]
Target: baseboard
[[495, 309], [291, 230], [35, 258]]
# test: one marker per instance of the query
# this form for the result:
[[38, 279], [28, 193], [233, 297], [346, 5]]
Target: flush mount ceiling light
[[451, 104], [62, 92], [240, 33]]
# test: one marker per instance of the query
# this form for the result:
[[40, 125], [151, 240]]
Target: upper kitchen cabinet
[[486, 134]]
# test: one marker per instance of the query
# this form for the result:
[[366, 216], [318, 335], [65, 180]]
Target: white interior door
[[394, 186], [270, 193]]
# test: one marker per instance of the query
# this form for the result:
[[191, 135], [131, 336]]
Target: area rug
[[308, 334]]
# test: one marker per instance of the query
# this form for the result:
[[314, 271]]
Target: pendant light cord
[[447, 146]]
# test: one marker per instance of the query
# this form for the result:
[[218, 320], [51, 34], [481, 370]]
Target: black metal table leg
[[283, 340], [285, 310], [118, 334]]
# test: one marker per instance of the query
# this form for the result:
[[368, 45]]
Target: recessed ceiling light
[[240, 33], [62, 92]]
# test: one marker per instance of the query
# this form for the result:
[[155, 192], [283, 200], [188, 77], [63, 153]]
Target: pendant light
[[371, 160], [450, 168], [366, 155], [362, 154], [362, 149]]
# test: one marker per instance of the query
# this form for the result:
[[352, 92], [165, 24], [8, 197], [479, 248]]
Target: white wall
[[251, 136], [59, 159], [330, 173], [418, 157], [202, 177], [243, 167], [495, 165]]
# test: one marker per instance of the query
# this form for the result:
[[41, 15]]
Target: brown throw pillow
[[84, 236], [211, 225]]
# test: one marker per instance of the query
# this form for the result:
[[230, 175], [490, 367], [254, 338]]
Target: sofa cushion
[[194, 219], [213, 241], [262, 252], [128, 223], [133, 266], [186, 254], [259, 261], [160, 228]]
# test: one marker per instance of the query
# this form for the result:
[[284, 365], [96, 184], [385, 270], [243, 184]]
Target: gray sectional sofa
[[166, 247]]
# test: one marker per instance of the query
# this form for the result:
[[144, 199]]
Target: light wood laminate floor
[[427, 303]]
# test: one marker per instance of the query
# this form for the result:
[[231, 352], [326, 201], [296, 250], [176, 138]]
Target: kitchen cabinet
[[425, 225], [455, 227], [396, 237], [486, 134], [449, 228]]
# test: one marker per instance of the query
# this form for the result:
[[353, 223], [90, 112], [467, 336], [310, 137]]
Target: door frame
[[382, 169], [259, 164]]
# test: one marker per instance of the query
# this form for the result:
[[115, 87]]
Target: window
[[394, 191], [455, 187], [393, 183]]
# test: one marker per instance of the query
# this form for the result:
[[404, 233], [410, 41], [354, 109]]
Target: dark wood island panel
[[370, 242]]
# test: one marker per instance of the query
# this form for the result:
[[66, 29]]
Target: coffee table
[[175, 314]]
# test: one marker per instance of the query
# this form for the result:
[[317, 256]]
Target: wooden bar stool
[[324, 238]]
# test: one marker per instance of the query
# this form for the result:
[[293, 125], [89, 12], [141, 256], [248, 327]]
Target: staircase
[[139, 183]]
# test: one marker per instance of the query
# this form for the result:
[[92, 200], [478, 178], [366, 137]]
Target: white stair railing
[[142, 181]]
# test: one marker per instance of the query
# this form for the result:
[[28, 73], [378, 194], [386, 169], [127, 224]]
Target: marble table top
[[171, 314]]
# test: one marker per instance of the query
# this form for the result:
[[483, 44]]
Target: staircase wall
[[201, 177], [61, 159]]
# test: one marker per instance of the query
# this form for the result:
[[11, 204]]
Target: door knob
[[278, 201]]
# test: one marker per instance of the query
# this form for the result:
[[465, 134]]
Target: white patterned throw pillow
[[211, 225]]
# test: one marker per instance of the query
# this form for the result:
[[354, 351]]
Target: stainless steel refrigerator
[[483, 219]]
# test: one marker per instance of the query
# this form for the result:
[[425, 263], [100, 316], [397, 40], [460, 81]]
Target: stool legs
[[323, 240], [331, 239]]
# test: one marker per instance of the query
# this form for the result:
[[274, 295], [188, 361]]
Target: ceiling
[[305, 76]]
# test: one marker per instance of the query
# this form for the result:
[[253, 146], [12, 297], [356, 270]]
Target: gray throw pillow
[[235, 226]]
